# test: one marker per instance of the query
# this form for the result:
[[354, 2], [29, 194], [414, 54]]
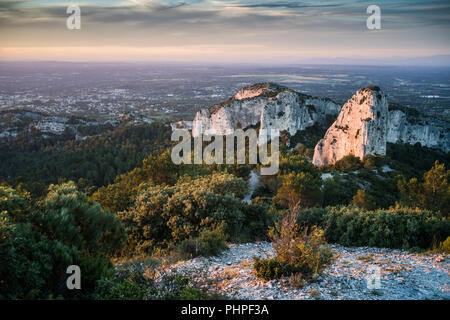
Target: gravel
[[402, 275]]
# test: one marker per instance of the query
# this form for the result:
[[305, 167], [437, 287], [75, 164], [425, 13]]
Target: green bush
[[39, 241], [433, 193], [32, 266], [257, 219], [364, 200], [414, 160], [338, 190], [208, 243], [191, 293], [393, 228], [166, 215], [177, 287], [296, 252], [93, 268], [272, 268], [300, 189], [349, 162], [445, 246], [67, 215], [137, 280], [307, 257], [373, 161], [382, 189], [125, 284]]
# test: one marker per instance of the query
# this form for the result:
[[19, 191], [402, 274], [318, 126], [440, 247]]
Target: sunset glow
[[228, 31]]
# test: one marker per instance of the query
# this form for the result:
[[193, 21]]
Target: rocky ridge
[[362, 126], [366, 123], [270, 105]]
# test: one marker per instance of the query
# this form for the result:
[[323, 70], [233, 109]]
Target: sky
[[257, 31]]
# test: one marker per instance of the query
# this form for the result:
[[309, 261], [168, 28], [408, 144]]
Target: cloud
[[292, 26], [288, 5]]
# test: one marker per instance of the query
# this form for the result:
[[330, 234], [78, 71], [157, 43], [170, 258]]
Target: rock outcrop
[[270, 105], [292, 112], [360, 129], [415, 128]]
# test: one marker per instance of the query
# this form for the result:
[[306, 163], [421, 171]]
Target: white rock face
[[292, 112], [360, 129], [271, 105], [224, 119], [288, 112], [413, 130]]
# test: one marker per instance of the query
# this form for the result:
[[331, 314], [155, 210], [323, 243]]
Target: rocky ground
[[402, 275]]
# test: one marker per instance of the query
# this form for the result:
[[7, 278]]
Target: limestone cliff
[[408, 126], [363, 126], [271, 105], [360, 129]]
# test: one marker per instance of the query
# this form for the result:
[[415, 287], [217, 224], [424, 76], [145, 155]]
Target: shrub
[[124, 284], [349, 162], [444, 246], [414, 160], [177, 287], [191, 293], [308, 259], [338, 190], [272, 268], [373, 161], [364, 200], [432, 194], [299, 189], [296, 280], [295, 252], [131, 281], [137, 280], [70, 217], [381, 189], [166, 215], [257, 219], [208, 243], [156, 169], [393, 228], [13, 204], [32, 266], [40, 241], [93, 268]]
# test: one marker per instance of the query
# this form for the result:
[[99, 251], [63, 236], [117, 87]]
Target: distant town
[[108, 94]]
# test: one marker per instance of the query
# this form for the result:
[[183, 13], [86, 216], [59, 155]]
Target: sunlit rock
[[360, 129]]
